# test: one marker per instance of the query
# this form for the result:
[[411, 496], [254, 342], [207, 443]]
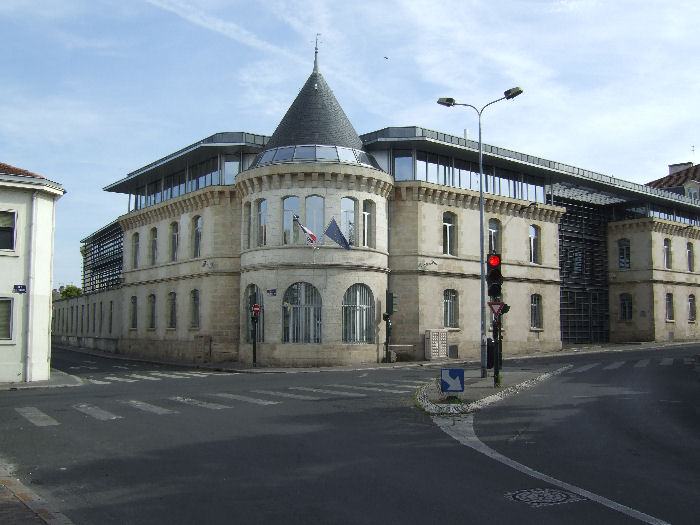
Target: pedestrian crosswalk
[[215, 401], [635, 364], [148, 376]]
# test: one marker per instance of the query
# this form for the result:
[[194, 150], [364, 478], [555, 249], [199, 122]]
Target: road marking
[[96, 412], [246, 399], [399, 384], [642, 363], [584, 368], [36, 417], [370, 389], [667, 361], [462, 429], [147, 407], [195, 374], [198, 403], [147, 378], [331, 392], [98, 382], [287, 395], [121, 379], [614, 366], [120, 366], [688, 361], [171, 375]]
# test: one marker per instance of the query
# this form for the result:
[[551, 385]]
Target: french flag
[[310, 237]]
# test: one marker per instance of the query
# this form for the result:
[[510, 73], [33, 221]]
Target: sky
[[91, 90]]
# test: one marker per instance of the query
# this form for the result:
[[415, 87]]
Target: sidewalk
[[57, 379]]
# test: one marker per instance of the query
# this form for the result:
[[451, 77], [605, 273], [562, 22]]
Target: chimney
[[674, 168]]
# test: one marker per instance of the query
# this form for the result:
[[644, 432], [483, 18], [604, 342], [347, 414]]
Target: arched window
[[134, 313], [261, 223], [172, 310], [358, 314], [135, 250], [692, 311], [494, 236], [667, 254], [347, 219], [301, 314], [196, 237], [154, 246], [314, 216], [623, 250], [535, 240], [194, 309], [151, 311], [449, 308], [174, 239], [691, 257], [290, 233], [625, 307], [449, 233], [536, 312], [252, 296], [669, 307], [368, 228]]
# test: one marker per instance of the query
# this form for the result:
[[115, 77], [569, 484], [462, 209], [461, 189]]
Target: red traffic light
[[494, 260]]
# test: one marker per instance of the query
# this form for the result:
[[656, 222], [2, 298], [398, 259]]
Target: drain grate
[[537, 498]]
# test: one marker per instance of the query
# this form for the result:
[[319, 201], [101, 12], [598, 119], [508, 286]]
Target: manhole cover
[[543, 497]]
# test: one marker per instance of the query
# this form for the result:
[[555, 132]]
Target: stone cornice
[[652, 224], [174, 208], [468, 199], [315, 175]]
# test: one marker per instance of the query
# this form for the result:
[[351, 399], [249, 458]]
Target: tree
[[70, 291]]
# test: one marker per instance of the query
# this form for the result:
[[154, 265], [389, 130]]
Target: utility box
[[436, 344]]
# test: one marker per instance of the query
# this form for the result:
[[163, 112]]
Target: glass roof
[[311, 153]]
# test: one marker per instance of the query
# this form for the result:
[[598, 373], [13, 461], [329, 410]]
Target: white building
[[27, 203]]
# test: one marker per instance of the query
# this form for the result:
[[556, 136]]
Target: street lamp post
[[449, 102]]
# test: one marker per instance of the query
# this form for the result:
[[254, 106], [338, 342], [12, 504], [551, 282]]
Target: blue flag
[[333, 231]]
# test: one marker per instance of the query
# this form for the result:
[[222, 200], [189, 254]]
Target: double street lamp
[[449, 102]]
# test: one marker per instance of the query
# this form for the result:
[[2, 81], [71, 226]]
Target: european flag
[[333, 231]]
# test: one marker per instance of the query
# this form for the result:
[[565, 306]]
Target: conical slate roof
[[315, 117]]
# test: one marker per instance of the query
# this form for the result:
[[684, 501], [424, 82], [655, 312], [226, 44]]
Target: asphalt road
[[142, 443]]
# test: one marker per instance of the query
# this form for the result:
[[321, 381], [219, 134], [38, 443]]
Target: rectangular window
[[669, 307], [449, 303], [536, 312], [403, 165], [5, 318], [625, 307], [134, 312], [111, 312], [7, 230]]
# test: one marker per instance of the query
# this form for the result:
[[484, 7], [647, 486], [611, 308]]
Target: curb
[[434, 409], [28, 501]]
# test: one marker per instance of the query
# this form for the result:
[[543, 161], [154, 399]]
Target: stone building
[[27, 203], [217, 227]]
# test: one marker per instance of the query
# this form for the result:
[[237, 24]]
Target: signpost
[[452, 380], [254, 319]]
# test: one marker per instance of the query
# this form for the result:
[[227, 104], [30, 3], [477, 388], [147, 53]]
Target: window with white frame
[[135, 250], [449, 308], [7, 230], [154, 246], [315, 217], [368, 213], [5, 318], [358, 314], [196, 237], [692, 311], [290, 232], [172, 310], [669, 307], [536, 312], [449, 233], [174, 240], [535, 238], [625, 307], [253, 295], [494, 236], [623, 253], [347, 219], [194, 309], [301, 314], [667, 254], [261, 222]]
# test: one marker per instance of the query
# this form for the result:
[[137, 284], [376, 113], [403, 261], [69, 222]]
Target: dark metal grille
[[584, 274], [103, 254]]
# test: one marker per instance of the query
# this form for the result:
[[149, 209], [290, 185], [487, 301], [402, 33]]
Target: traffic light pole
[[497, 338]]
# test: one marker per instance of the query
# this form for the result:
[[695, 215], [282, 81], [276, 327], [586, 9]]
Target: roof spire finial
[[316, 54]]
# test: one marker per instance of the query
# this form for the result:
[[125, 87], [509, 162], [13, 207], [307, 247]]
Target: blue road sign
[[452, 380]]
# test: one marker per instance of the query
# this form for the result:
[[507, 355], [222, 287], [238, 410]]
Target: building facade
[[27, 203], [217, 227]]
